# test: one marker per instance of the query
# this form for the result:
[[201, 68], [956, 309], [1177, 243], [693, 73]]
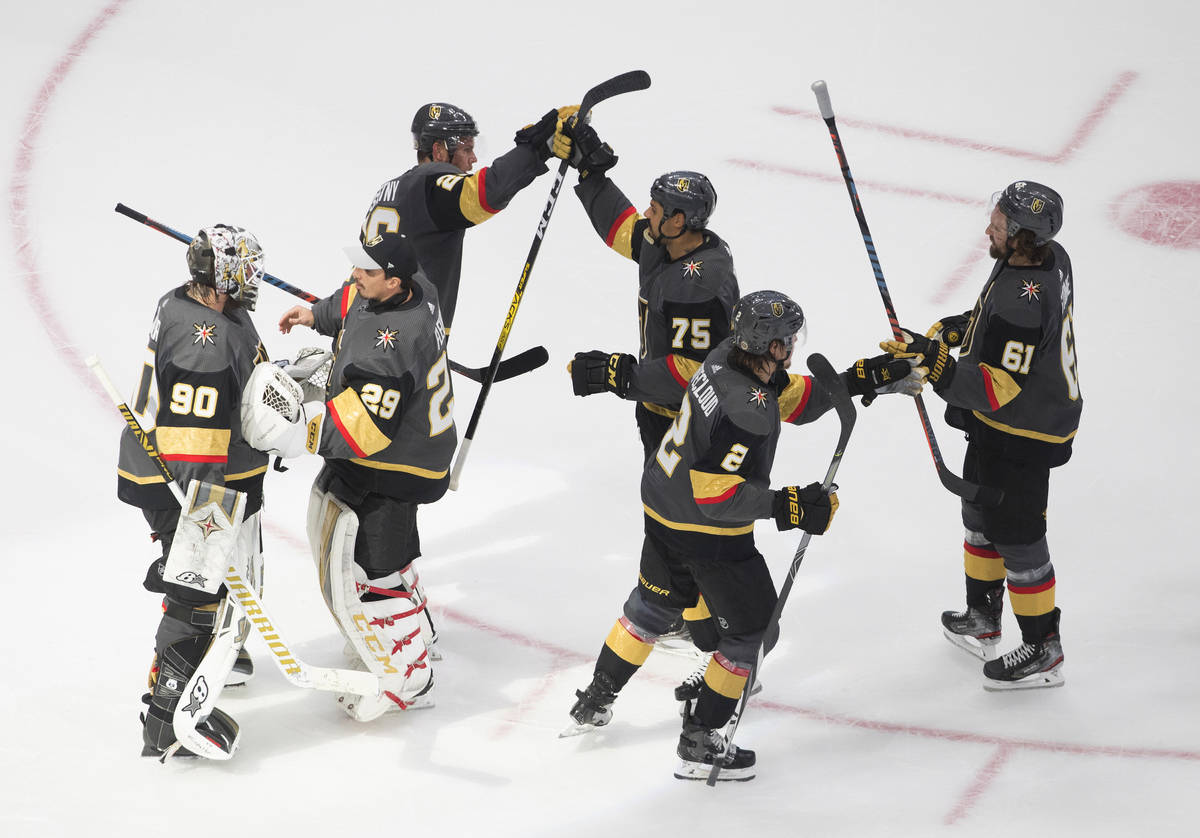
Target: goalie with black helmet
[[385, 428], [202, 348], [436, 201], [1014, 390]]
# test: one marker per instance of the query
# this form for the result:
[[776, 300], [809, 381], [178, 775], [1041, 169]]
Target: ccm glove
[[882, 374], [591, 155], [931, 355], [950, 330], [811, 508], [597, 372]]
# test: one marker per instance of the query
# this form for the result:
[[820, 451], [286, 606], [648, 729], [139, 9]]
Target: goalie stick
[[836, 387], [296, 671], [527, 361], [624, 83], [983, 495]]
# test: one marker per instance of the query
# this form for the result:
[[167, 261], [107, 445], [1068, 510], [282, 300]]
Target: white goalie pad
[[387, 634], [198, 701], [207, 537]]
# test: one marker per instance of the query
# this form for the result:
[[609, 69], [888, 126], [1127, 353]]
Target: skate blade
[[577, 730], [1037, 681], [982, 650], [680, 649], [697, 771]]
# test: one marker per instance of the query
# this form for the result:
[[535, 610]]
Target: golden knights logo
[[1037, 206], [385, 338], [777, 309], [684, 184], [205, 333], [435, 111]]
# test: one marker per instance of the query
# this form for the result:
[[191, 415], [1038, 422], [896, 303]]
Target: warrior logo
[[198, 696], [777, 309], [692, 268], [189, 577], [385, 338], [1030, 290], [684, 184], [206, 333], [435, 111]]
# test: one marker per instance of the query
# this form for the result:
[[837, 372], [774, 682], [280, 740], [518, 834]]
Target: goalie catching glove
[[810, 508], [597, 372], [930, 355], [275, 417]]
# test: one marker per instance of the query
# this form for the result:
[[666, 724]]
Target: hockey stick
[[296, 671], [624, 83], [527, 361], [983, 495], [836, 387]]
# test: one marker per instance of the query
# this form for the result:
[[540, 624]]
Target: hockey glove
[[539, 135], [591, 156], [882, 374], [950, 330], [931, 355], [809, 508], [597, 372], [275, 419]]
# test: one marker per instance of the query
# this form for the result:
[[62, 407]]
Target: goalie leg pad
[[191, 673], [387, 631]]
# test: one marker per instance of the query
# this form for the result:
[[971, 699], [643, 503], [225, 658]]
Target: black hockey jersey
[[434, 203], [389, 422], [710, 479], [1016, 385], [685, 305], [189, 397]]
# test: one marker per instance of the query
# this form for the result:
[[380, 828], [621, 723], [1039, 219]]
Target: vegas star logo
[[692, 268], [1030, 290], [758, 397], [208, 526], [385, 338], [205, 333]]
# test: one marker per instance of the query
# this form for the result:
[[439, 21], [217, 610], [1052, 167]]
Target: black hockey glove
[[881, 374], [950, 330], [810, 508], [591, 156], [597, 372], [539, 135], [920, 351]]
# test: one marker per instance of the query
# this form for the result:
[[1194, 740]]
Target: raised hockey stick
[[527, 361], [624, 83], [983, 495], [296, 671], [833, 384]]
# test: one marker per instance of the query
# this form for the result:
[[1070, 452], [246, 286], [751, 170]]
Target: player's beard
[[998, 253]]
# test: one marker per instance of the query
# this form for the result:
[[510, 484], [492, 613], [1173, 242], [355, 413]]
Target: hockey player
[[435, 202], [201, 350], [687, 288], [386, 431], [1014, 390], [702, 490]]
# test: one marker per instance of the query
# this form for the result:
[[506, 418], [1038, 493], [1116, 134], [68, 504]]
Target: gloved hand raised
[[547, 136], [597, 372], [591, 155]]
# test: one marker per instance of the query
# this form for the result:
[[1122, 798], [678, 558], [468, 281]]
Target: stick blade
[[624, 83]]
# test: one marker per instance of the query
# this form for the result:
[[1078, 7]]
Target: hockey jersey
[[685, 305], [1016, 385], [434, 203], [710, 479], [188, 398], [389, 423]]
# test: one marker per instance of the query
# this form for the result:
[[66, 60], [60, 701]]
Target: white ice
[[284, 117]]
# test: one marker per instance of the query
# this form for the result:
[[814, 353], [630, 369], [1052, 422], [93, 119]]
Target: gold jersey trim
[[419, 472], [355, 420], [660, 410], [1009, 429], [195, 442], [158, 478], [674, 525]]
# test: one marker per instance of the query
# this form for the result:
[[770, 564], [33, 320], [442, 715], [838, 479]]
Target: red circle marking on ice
[[1161, 213]]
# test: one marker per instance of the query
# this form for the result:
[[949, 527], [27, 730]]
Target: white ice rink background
[[285, 117]]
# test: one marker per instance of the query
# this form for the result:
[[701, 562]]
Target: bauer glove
[[931, 355], [810, 508], [597, 372], [950, 330], [882, 374]]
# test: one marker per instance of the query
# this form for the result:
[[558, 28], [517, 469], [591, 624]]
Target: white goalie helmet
[[228, 259]]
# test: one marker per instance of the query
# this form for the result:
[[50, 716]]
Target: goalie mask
[[229, 260]]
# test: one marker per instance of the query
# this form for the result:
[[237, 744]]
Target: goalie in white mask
[[386, 431], [201, 350]]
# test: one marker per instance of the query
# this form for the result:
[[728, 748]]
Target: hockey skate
[[977, 630], [1029, 666], [678, 641], [689, 689], [700, 746], [367, 708], [243, 670], [593, 708]]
